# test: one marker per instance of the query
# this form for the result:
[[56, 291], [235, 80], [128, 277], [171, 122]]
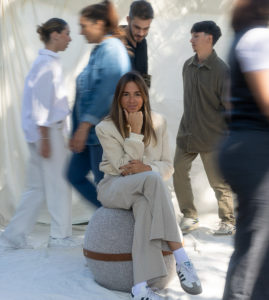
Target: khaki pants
[[182, 185], [154, 215]]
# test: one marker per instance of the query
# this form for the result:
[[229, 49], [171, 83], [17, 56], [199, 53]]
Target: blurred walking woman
[[244, 158], [136, 160], [95, 88], [44, 110]]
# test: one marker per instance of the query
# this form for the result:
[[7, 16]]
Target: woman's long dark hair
[[117, 114]]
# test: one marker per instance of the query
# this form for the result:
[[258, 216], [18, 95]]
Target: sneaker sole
[[196, 290], [227, 233], [189, 229]]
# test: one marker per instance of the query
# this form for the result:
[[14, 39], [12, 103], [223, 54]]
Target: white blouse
[[119, 151], [44, 98]]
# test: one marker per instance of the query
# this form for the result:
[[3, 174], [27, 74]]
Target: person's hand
[[45, 149], [78, 141], [135, 120], [134, 167]]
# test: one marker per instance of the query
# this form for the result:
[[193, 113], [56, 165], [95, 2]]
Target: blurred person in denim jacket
[[94, 92]]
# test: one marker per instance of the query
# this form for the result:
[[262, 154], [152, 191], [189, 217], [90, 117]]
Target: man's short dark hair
[[209, 27], [141, 9]]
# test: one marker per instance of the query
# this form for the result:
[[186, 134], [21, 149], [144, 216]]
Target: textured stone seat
[[108, 246]]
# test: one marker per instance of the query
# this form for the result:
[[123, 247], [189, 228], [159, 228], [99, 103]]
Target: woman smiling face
[[131, 99]]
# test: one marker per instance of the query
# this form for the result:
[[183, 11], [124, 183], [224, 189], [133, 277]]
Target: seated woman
[[136, 159]]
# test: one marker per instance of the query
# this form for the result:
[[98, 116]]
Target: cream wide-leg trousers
[[154, 215], [45, 183]]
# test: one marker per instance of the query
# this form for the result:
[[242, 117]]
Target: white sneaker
[[225, 229], [5, 244], [189, 224], [189, 280], [64, 242], [147, 293]]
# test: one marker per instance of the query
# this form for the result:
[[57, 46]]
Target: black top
[[245, 113], [139, 56]]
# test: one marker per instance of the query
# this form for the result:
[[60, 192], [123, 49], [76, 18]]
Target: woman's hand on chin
[[134, 167], [135, 121]]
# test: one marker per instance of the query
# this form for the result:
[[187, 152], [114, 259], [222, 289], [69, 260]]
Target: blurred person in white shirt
[[44, 110]]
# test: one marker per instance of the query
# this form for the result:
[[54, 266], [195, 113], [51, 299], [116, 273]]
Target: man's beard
[[132, 36]]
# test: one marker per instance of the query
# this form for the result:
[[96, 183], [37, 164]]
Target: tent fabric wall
[[169, 47]]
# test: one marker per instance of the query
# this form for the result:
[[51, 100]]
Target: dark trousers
[[79, 167], [244, 162]]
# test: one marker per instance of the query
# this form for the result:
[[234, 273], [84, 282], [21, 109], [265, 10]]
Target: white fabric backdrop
[[169, 47]]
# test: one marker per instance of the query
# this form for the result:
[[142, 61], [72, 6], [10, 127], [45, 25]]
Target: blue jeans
[[79, 167]]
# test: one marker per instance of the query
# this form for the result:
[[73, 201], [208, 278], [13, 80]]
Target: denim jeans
[[79, 167], [245, 165]]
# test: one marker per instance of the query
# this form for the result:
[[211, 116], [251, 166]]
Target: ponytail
[[104, 11], [112, 16]]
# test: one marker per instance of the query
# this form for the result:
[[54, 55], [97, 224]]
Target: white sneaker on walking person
[[189, 224], [68, 242], [225, 229], [146, 293], [5, 244], [189, 280]]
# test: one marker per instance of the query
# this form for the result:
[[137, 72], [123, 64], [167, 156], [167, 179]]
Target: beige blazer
[[119, 151]]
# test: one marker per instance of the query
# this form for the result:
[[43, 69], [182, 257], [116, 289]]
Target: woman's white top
[[252, 50], [118, 151], [44, 98]]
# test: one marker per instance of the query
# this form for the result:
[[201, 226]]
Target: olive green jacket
[[205, 93]]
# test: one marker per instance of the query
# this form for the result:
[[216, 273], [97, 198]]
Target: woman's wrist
[[135, 130], [85, 126]]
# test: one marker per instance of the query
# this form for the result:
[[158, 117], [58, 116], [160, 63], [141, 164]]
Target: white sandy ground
[[62, 274]]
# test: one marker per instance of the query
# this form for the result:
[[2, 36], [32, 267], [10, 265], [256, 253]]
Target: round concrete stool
[[108, 246]]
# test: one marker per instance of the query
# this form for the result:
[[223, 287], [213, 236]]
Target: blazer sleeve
[[164, 165], [117, 151]]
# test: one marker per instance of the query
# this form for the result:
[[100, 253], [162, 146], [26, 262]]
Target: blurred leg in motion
[[245, 165]]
